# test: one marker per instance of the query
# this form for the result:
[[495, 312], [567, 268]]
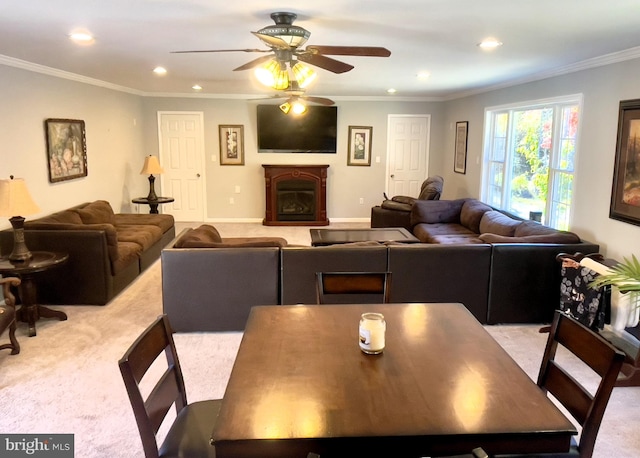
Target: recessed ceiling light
[[82, 37], [490, 43], [196, 87], [423, 75], [160, 71], [391, 90]]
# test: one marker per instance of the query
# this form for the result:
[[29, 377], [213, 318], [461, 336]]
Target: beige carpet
[[66, 379]]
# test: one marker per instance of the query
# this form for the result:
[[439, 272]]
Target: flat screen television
[[312, 132]]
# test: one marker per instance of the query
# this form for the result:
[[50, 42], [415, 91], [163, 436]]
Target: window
[[529, 159]]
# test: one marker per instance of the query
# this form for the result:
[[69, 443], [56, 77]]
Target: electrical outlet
[[237, 189], [361, 200], [232, 200]]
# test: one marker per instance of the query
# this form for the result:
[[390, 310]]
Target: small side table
[[30, 311], [153, 204]]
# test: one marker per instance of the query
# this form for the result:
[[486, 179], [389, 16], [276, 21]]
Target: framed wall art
[[231, 144], [359, 145], [66, 149], [625, 193], [460, 157]]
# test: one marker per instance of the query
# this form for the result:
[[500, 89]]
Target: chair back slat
[[169, 390], [352, 283], [164, 395], [596, 352]]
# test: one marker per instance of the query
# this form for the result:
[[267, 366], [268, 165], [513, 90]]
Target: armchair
[[396, 212]]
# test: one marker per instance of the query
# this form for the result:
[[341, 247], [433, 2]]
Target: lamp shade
[[15, 199], [151, 166]]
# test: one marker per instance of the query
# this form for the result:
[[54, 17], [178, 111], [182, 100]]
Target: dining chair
[[190, 433], [8, 315], [586, 408], [336, 284]]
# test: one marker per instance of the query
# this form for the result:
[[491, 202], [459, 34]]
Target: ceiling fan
[[296, 100], [285, 40]]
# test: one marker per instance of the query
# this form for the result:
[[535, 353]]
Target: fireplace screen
[[296, 200]]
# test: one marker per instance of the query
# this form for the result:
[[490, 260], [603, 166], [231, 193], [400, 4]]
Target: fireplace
[[296, 195]]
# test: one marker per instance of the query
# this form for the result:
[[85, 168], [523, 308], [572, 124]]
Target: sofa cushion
[[145, 236], [127, 252], [533, 228], [163, 221], [98, 212], [561, 237], [429, 233], [471, 214], [431, 188], [495, 222], [436, 211], [64, 216], [203, 234], [207, 236]]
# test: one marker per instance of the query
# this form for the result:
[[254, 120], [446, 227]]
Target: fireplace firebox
[[296, 195]]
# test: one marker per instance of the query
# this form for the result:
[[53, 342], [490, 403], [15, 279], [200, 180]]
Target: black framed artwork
[[625, 193], [66, 149]]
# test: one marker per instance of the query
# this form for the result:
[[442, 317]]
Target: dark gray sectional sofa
[[212, 289]]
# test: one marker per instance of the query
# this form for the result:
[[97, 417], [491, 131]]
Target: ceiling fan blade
[[371, 51], [318, 100], [274, 42], [253, 63], [325, 62], [222, 50]]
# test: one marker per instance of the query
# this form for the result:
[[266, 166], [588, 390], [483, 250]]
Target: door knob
[[392, 175], [198, 175]]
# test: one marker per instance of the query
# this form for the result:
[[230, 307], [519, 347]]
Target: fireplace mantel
[[312, 179]]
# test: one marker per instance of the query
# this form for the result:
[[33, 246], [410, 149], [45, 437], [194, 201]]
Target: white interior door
[[181, 140], [407, 154]]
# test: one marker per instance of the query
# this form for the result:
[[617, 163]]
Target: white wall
[[603, 88], [345, 185], [114, 145]]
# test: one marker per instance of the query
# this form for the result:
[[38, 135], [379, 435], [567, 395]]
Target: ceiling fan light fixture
[[303, 74], [281, 80], [298, 107], [285, 107], [268, 73]]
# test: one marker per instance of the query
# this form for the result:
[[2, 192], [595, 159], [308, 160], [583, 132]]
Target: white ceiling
[[541, 38]]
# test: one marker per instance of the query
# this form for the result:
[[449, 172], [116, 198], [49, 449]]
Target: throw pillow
[[98, 212], [436, 211], [471, 214], [495, 222]]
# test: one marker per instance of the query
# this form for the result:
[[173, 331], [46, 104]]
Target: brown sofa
[[107, 251]]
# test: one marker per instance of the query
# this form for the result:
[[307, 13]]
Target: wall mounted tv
[[312, 132]]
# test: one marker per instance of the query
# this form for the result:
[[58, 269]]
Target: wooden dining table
[[300, 384]]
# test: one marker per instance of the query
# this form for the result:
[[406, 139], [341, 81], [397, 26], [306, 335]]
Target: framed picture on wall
[[66, 149], [625, 194], [231, 144], [460, 157], [359, 145]]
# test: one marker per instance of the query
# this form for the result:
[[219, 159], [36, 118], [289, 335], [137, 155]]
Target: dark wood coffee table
[[320, 237]]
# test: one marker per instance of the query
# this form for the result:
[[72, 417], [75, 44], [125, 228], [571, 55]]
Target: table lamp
[[16, 200], [151, 166]]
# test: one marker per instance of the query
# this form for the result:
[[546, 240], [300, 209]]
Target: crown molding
[[607, 59]]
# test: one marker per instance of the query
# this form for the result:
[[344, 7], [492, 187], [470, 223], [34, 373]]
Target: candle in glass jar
[[372, 332]]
